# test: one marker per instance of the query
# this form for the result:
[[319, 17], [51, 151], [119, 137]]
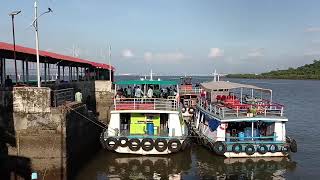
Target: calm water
[[301, 99]]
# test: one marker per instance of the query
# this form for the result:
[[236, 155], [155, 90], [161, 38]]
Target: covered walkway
[[53, 67]]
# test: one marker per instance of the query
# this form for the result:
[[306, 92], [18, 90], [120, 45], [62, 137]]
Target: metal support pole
[[77, 69], [37, 42], [23, 71], [1, 72], [27, 71], [241, 95], [252, 130], [49, 72], [63, 73], [4, 69], [59, 77], [45, 73], [14, 50]]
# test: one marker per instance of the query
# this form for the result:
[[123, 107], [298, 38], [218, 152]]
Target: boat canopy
[[132, 82], [216, 85]]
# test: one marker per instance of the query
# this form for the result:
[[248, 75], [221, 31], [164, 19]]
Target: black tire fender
[[262, 149], [134, 144], [145, 146], [159, 147], [273, 148], [219, 148], [234, 148], [250, 150], [191, 110], [171, 145], [109, 145], [126, 141]]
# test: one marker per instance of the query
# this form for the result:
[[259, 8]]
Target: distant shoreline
[[271, 78]]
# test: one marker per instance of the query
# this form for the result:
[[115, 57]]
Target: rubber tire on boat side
[[235, 146], [276, 149], [170, 145], [285, 149], [253, 150], [111, 147], [134, 148], [146, 147], [262, 151], [123, 139], [293, 145], [185, 144], [160, 140], [219, 148]]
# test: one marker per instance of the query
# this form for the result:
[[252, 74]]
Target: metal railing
[[145, 104], [241, 110], [194, 90], [62, 95]]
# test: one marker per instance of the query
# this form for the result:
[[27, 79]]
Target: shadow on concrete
[[82, 138], [11, 166]]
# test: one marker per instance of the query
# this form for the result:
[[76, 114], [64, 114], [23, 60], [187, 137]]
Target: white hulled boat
[[234, 120], [150, 124]]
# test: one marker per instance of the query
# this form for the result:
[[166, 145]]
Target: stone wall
[[104, 99]]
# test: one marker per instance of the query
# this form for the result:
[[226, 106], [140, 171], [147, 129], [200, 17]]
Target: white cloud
[[127, 53], [312, 29], [215, 52], [259, 52], [169, 57]]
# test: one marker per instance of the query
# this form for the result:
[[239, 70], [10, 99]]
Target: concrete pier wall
[[57, 140]]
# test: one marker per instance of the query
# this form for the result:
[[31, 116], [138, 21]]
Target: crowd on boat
[[152, 91]]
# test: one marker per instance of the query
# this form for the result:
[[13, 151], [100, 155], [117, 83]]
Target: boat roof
[[216, 85], [146, 81]]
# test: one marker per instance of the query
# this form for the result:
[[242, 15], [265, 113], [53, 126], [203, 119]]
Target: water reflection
[[196, 163]]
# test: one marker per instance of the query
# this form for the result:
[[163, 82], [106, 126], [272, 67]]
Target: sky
[[174, 37]]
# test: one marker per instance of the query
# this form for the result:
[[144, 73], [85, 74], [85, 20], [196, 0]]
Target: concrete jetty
[[43, 129]]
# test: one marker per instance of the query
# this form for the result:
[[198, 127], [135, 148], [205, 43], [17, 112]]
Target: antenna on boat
[[216, 76], [151, 77]]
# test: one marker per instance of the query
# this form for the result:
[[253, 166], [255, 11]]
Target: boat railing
[[194, 90], [146, 104], [243, 110], [61, 96]]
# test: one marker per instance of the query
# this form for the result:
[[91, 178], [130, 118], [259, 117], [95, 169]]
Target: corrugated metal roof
[[216, 85], [132, 82], [30, 51]]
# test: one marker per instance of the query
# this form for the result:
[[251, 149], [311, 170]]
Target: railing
[[194, 90], [145, 104], [62, 95], [241, 110]]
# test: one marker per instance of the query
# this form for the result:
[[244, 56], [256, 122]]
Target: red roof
[[30, 51]]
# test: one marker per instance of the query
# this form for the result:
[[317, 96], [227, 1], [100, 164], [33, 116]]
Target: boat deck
[[231, 108]]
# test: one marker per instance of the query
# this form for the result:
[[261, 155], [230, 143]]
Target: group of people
[[153, 91]]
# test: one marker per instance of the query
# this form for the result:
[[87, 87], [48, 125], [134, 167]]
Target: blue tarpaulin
[[213, 124]]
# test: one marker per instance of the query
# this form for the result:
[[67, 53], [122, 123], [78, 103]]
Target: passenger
[[78, 96], [150, 92], [138, 93], [157, 92], [129, 92], [8, 82]]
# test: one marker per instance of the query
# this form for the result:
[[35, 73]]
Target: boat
[[241, 120], [146, 125], [188, 97]]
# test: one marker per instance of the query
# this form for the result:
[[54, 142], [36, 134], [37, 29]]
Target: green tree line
[[308, 71]]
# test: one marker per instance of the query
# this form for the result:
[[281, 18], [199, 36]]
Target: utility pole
[[14, 43]]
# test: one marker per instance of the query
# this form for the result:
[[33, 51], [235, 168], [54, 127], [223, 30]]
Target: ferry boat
[[235, 120], [150, 124], [188, 97]]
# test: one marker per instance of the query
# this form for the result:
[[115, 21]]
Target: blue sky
[[175, 36]]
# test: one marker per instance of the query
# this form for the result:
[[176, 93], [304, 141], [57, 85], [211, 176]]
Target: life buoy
[[160, 144], [183, 110], [262, 149], [123, 142], [134, 144], [174, 145], [223, 126], [219, 148], [237, 148], [111, 143], [273, 148], [250, 150], [293, 145], [147, 144], [191, 110]]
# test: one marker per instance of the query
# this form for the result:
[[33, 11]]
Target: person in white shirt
[[150, 92], [138, 92]]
